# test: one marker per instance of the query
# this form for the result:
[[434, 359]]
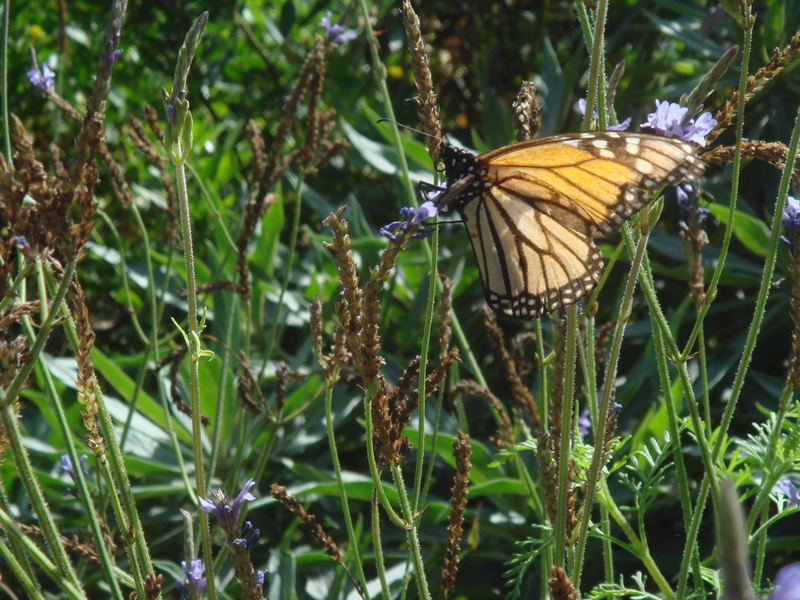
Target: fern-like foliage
[[526, 553]]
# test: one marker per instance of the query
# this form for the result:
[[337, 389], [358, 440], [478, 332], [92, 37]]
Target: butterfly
[[533, 209]]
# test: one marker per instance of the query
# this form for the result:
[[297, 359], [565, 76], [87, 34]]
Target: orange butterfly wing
[[534, 208]]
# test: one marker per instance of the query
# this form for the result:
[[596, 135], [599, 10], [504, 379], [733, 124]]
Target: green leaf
[[288, 17], [751, 232]]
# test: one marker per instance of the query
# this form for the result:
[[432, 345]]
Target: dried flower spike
[[458, 501]]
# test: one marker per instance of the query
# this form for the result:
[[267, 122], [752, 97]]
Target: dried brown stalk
[[458, 501], [520, 392], [505, 437], [527, 112], [427, 106]]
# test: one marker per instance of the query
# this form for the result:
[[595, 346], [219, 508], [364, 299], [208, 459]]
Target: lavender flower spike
[[66, 465], [194, 582], [669, 119], [790, 490], [787, 583], [791, 222], [335, 32], [224, 509], [45, 79], [412, 218]]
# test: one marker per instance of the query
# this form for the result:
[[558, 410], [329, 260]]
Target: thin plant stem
[[735, 176], [596, 78], [337, 469], [675, 441], [222, 394], [373, 466], [542, 367], [423, 371], [116, 477], [434, 437], [194, 365], [764, 287], [9, 526], [411, 534], [380, 565], [753, 330], [640, 548], [755, 325], [564, 457], [594, 474], [380, 79], [764, 490], [66, 572], [703, 375], [80, 479], [15, 567]]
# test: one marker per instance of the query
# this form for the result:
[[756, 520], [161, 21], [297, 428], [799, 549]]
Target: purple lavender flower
[[790, 490], [669, 119], [412, 217], [787, 583], [66, 465], [619, 127], [335, 32], [224, 509], [260, 574], [791, 222], [247, 535], [114, 57], [45, 79], [194, 582], [584, 423], [683, 192], [687, 201]]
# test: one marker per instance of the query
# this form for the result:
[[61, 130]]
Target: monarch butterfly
[[532, 209]]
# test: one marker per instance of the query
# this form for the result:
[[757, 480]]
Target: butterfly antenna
[[419, 131]]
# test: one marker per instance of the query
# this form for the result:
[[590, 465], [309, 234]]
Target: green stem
[[595, 470], [80, 480], [66, 572], [750, 342], [675, 442], [766, 284], [14, 566], [194, 365], [764, 490], [596, 78], [373, 465], [564, 458], [735, 176], [222, 394], [641, 551], [337, 469], [380, 566], [411, 534], [423, 371], [701, 360], [10, 528]]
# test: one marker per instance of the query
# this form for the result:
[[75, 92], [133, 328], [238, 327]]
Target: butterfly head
[[456, 163]]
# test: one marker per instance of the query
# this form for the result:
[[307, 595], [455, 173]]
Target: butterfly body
[[533, 209]]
